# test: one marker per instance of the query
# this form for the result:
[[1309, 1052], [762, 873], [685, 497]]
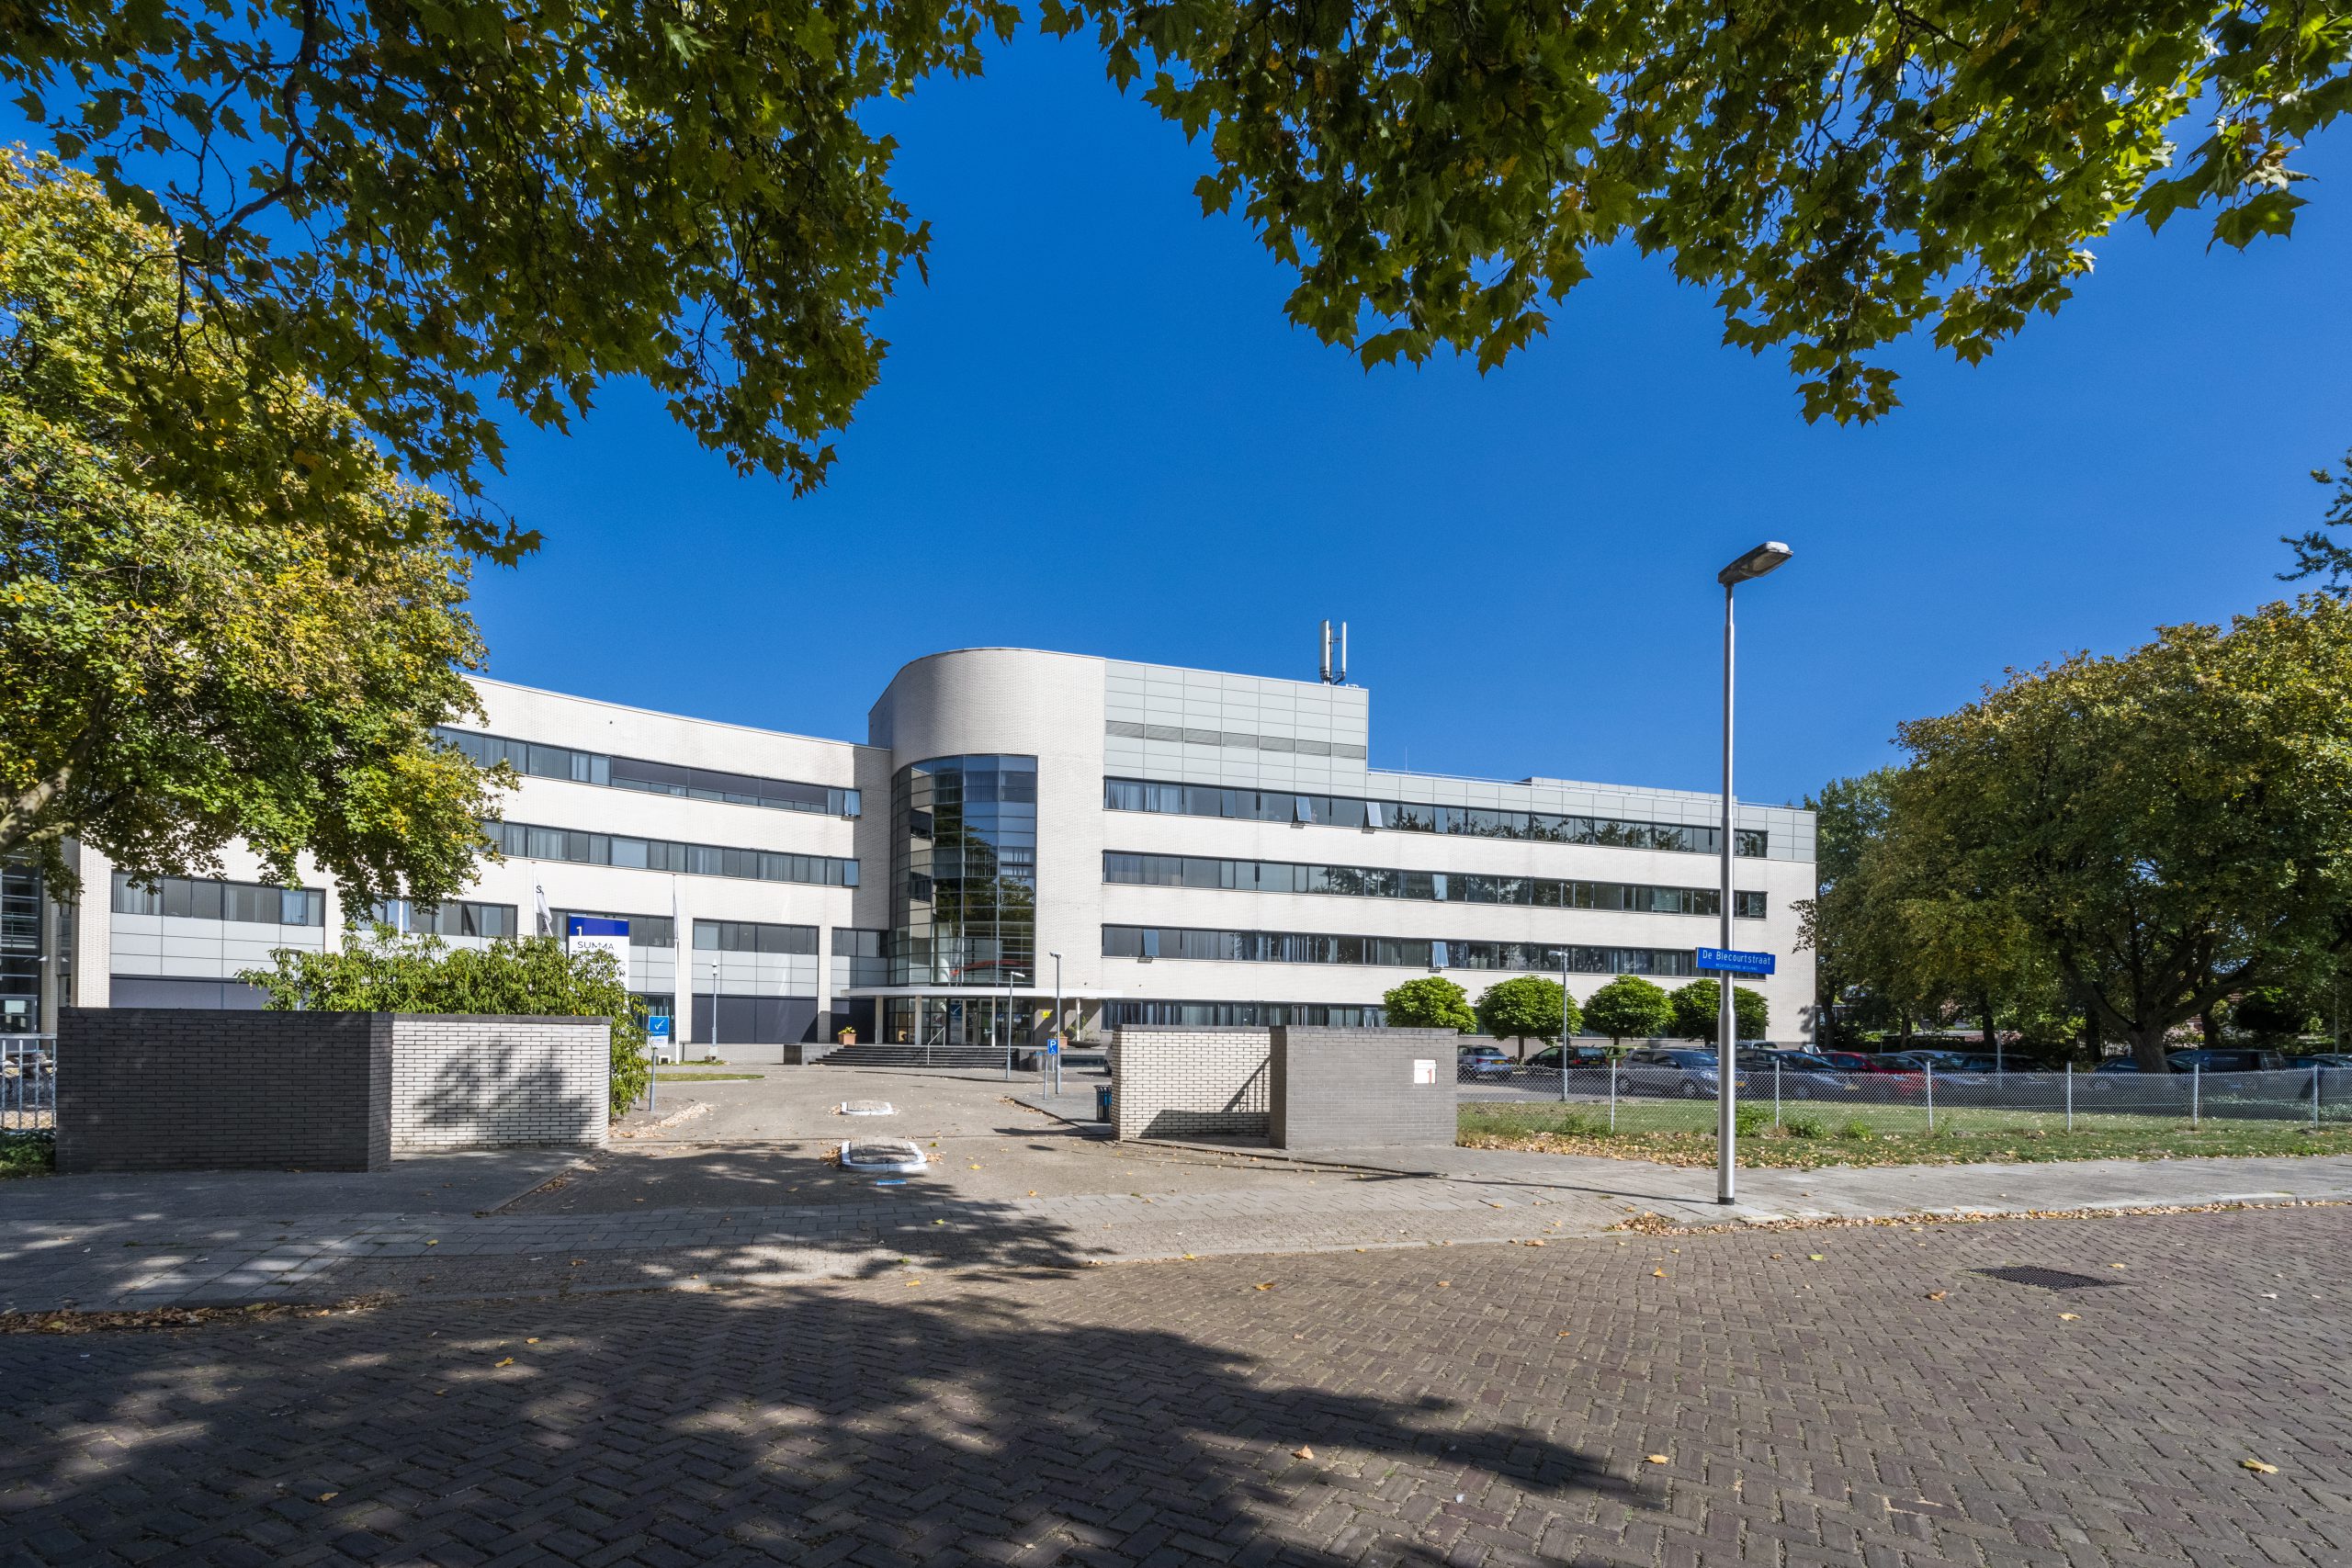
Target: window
[[1240, 1015], [254, 903], [964, 871], [751, 936], [659, 854], [449, 919], [532, 761], [1122, 868], [1303, 947], [865, 953], [1405, 817]]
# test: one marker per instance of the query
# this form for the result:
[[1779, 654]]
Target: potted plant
[[847, 1034]]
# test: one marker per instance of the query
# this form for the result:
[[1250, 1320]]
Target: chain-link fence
[[28, 1082], [1663, 1090]]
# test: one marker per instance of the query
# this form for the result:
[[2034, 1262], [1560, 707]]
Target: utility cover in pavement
[[881, 1154], [865, 1107], [2048, 1278]]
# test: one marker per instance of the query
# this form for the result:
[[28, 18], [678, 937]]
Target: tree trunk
[[2148, 1050], [1984, 1021], [2210, 1022]]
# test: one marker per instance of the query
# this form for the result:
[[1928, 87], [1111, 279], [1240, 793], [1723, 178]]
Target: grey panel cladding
[[1337, 1089]]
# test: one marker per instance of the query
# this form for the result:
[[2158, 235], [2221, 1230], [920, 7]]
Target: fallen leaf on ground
[[507, 1362], [1657, 1273], [1935, 1295], [1302, 1451], [1817, 1256], [2260, 1468], [1444, 1284], [2070, 1317], [1267, 1286], [329, 1496], [1661, 1459], [532, 1341]]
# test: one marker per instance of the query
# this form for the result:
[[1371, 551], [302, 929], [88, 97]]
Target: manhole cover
[[881, 1154], [867, 1108], [2046, 1278]]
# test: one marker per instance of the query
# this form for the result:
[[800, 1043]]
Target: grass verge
[[1683, 1134], [27, 1154]]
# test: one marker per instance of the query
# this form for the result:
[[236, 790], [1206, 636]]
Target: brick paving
[[1463, 1406]]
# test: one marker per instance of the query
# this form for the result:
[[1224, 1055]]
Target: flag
[[547, 920]]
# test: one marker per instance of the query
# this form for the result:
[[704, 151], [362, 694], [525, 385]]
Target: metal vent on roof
[[2046, 1278]]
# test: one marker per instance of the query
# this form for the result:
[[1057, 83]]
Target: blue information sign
[[1735, 961], [657, 1026]]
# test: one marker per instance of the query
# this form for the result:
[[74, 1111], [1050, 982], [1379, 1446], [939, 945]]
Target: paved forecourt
[[1852, 1398], [1010, 1191]]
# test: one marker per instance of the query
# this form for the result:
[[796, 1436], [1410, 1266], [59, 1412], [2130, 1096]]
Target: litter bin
[[1103, 1102]]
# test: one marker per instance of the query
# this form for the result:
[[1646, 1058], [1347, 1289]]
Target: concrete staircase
[[907, 1056]]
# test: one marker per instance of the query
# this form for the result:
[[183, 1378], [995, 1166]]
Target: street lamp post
[[1763, 558], [1054, 1037]]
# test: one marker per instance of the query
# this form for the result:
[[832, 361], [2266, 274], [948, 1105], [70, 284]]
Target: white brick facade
[[478, 1082], [1177, 1083]]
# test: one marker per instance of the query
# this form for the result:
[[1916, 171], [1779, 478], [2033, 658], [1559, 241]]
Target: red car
[[1908, 1080]]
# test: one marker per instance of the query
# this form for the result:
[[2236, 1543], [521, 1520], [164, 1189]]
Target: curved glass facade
[[964, 872]]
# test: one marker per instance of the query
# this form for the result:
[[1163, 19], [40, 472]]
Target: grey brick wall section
[[1337, 1089], [1180, 1083], [469, 1082], [183, 1088]]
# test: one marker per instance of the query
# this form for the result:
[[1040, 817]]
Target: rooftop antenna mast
[[1328, 675]]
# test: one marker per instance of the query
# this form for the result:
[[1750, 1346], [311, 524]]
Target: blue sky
[[1097, 431]]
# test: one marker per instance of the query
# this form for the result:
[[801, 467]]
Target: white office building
[[1194, 847]]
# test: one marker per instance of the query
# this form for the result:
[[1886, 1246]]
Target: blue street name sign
[[1735, 961]]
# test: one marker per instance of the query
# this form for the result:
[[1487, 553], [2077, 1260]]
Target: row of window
[[1129, 731], [1385, 951], [448, 920], [1409, 816], [754, 936], [1439, 887], [528, 842], [1241, 1015], [868, 952], [538, 761], [254, 903]]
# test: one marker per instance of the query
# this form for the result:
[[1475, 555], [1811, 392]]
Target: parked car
[[2118, 1064], [1580, 1058], [2229, 1059], [1801, 1074], [1483, 1062], [1687, 1074]]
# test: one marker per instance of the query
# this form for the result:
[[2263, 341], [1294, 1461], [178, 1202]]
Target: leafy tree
[[189, 660], [1629, 1008], [404, 203], [1431, 1002], [380, 970], [1698, 1011], [2321, 553], [2271, 1012], [2164, 828], [1528, 1006], [1838, 176]]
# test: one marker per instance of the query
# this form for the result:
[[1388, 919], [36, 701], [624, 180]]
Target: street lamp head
[[1764, 558]]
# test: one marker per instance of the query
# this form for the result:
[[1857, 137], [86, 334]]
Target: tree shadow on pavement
[[1011, 1425]]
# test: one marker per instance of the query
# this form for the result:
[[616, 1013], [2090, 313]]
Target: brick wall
[[470, 1081], [183, 1089], [190, 1088], [1179, 1083], [1334, 1088]]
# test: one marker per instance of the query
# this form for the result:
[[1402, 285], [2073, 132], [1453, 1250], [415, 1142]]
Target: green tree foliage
[[1528, 1006], [406, 203], [2271, 1013], [1698, 1011], [1431, 1002], [1838, 176], [192, 653], [2320, 552], [2162, 830], [1629, 1008], [383, 971]]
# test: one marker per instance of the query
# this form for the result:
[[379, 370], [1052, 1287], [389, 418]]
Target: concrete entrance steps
[[905, 1056]]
